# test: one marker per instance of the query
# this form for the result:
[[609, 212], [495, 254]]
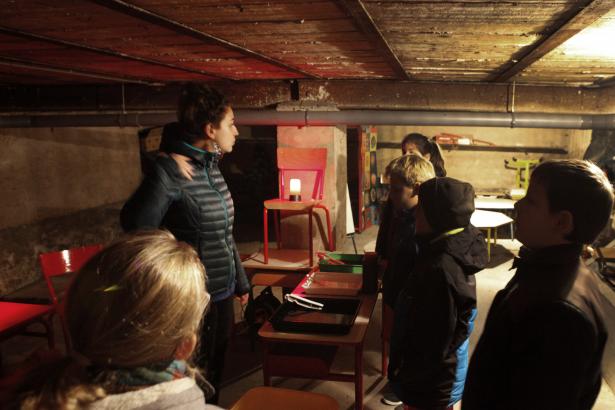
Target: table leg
[[310, 239], [488, 244], [495, 236], [358, 377], [266, 373], [265, 237], [250, 320]]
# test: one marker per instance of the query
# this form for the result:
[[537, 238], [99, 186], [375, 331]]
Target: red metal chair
[[305, 161], [16, 318], [54, 264]]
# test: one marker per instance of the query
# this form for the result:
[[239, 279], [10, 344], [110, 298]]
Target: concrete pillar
[[294, 228]]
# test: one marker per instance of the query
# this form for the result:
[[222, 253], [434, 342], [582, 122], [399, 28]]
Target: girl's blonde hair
[[129, 306], [411, 169]]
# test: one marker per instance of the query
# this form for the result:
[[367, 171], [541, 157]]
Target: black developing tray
[[336, 317]]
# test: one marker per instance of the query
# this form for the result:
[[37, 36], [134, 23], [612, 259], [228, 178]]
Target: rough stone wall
[[483, 169], [60, 188], [52, 172], [20, 246]]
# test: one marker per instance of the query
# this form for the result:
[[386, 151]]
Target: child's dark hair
[[426, 146], [198, 106], [581, 188]]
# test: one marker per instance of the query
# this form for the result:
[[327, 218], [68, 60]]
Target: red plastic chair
[[62, 263], [16, 318], [292, 161]]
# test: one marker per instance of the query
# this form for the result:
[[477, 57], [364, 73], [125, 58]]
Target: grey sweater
[[177, 394]]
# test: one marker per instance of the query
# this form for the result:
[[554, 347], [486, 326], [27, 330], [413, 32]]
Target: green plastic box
[[352, 263]]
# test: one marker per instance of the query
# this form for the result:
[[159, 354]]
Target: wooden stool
[[274, 398]]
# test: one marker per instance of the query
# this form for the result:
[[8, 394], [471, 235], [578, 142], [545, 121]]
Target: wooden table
[[494, 203], [505, 205], [490, 221], [354, 338], [286, 267]]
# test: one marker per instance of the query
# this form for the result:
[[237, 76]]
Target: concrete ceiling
[[167, 41]]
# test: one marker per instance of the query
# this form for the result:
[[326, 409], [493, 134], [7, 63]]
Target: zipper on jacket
[[231, 255]]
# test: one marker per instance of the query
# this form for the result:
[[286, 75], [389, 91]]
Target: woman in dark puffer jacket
[[186, 194]]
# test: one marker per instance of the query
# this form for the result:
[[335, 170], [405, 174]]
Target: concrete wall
[[485, 170], [60, 188]]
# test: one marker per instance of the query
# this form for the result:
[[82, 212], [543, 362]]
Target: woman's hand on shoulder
[[183, 163]]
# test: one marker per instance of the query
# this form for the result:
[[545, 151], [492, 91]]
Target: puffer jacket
[[434, 317], [544, 337], [199, 212]]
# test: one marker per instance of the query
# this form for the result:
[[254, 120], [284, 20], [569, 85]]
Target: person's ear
[[186, 347], [415, 189], [208, 131], [564, 223]]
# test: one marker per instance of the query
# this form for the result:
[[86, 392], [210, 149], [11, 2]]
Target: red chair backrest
[[66, 261], [302, 160]]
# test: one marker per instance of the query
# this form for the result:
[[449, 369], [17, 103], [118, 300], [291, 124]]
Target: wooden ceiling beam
[[576, 19], [180, 28], [39, 37], [359, 14], [31, 65], [605, 82]]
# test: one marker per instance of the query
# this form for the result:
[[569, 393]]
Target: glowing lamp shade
[[295, 186], [295, 189]]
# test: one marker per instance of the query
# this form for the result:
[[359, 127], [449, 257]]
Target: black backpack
[[260, 309]]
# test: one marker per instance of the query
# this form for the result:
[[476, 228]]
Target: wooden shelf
[[492, 148]]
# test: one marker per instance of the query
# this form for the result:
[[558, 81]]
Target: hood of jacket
[[467, 248], [173, 142]]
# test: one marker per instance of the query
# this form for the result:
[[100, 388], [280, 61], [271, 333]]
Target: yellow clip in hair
[[111, 288]]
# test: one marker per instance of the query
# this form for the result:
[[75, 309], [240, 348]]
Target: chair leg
[[67, 342], [277, 215], [48, 324], [266, 237], [310, 239], [384, 355], [329, 230], [330, 238], [250, 320]]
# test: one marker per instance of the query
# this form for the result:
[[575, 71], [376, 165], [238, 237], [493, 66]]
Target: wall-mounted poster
[[369, 145]]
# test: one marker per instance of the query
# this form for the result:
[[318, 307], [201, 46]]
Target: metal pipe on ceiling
[[325, 118]]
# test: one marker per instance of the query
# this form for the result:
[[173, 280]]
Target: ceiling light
[[593, 42]]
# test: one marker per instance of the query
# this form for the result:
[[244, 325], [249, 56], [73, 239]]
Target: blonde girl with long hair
[[133, 314]]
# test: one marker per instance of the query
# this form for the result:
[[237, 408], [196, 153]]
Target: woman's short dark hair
[[581, 188], [198, 106], [426, 146]]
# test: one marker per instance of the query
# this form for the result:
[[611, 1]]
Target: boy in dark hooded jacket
[[545, 334], [435, 310]]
